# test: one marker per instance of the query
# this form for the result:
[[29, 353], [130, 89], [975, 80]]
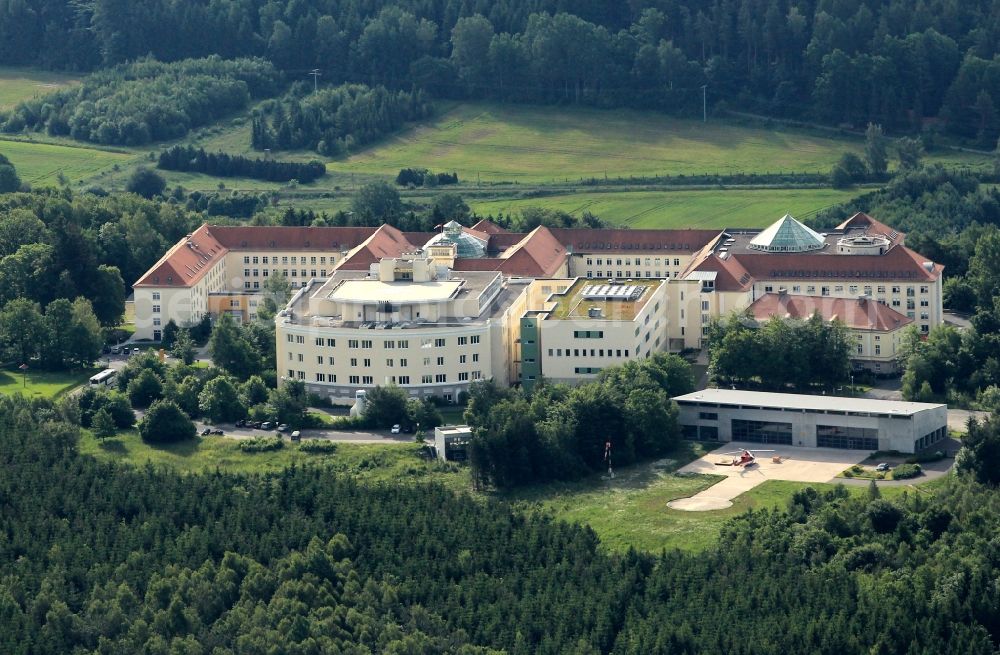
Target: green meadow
[[545, 145], [40, 164], [41, 384], [17, 84], [710, 208]]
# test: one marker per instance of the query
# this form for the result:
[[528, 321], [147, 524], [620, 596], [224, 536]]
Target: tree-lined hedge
[[220, 164]]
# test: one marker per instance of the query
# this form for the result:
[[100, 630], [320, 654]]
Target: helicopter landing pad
[[797, 464]]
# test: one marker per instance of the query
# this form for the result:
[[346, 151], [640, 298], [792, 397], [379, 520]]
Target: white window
[[475, 338], [156, 309], [156, 295]]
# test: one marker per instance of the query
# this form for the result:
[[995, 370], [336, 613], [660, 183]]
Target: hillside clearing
[[40, 164], [17, 84]]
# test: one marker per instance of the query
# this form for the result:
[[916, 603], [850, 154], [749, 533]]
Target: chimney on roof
[[782, 291]]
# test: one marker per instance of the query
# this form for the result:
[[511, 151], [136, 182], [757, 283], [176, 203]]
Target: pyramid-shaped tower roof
[[787, 235]]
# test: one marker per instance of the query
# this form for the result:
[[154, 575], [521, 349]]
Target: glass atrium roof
[[787, 235], [466, 244]]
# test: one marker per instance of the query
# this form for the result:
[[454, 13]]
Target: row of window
[[402, 380], [836, 436], [610, 275], [852, 289], [388, 344], [588, 334], [650, 261], [762, 431], [247, 259], [366, 362], [582, 352], [931, 438], [294, 272]]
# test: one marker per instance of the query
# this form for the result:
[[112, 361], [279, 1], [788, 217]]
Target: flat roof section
[[370, 291], [578, 301], [803, 402]]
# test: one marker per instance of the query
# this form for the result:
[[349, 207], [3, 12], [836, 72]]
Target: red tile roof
[[254, 237], [488, 226], [387, 241], [622, 240], [539, 254], [855, 314], [187, 262], [870, 225], [898, 263]]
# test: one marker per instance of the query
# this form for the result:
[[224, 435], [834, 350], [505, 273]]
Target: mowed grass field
[[710, 208], [538, 145], [41, 384], [40, 164], [17, 84]]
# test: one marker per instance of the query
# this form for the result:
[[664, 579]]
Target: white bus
[[105, 377]]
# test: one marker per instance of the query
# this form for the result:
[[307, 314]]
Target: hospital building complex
[[433, 312]]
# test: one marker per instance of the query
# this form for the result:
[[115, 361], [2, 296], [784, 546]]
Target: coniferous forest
[[904, 64], [101, 558]]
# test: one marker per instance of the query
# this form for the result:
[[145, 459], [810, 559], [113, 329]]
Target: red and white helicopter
[[747, 458]]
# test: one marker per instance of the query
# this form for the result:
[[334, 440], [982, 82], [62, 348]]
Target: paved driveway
[[797, 464]]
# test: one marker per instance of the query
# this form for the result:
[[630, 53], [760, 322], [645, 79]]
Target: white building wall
[[568, 356], [619, 265], [894, 433], [251, 269], [434, 361]]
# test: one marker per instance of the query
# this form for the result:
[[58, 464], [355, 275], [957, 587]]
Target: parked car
[[241, 423], [882, 467], [218, 433], [206, 432], [282, 428], [296, 435], [395, 429], [256, 425], [116, 350], [266, 425]]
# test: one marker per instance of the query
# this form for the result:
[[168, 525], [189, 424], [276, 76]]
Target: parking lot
[[797, 464], [344, 436]]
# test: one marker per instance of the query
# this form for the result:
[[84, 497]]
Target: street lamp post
[[24, 375]]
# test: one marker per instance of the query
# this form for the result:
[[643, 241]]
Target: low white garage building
[[816, 421]]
